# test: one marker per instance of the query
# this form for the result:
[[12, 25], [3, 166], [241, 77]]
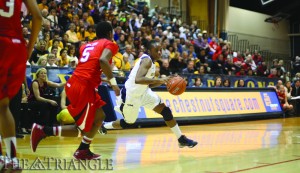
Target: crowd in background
[[186, 49]]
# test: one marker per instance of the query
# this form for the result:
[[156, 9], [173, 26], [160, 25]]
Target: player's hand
[[164, 80], [53, 103], [116, 89]]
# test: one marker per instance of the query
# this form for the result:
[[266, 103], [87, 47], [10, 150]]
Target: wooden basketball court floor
[[264, 146]]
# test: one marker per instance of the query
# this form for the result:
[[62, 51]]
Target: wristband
[[113, 81]]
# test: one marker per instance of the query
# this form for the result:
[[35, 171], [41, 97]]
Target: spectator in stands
[[125, 63], [238, 60], [229, 67], [53, 19], [73, 62], [257, 58], [128, 53], [250, 72], [129, 41], [289, 89], [42, 61], [198, 82], [296, 89], [273, 73], [226, 83], [87, 20], [51, 60], [90, 33], [241, 83], [63, 59], [25, 32], [283, 98], [56, 37], [262, 69], [38, 51], [190, 68], [177, 64], [296, 65], [218, 82], [249, 63], [280, 67], [64, 20], [40, 99], [55, 44], [172, 51], [121, 43], [297, 77], [72, 34], [165, 53], [191, 52], [218, 65], [164, 69]]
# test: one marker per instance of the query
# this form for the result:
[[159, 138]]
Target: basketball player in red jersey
[[13, 57], [85, 102]]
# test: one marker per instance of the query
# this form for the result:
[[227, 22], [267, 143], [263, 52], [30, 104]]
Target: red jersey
[[89, 68], [10, 14]]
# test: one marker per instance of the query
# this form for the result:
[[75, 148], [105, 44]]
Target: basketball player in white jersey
[[137, 93]]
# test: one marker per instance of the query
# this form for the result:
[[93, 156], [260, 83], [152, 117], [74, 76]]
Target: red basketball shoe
[[85, 155], [37, 134]]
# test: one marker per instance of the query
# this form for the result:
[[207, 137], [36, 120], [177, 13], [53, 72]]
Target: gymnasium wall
[[251, 26], [199, 9]]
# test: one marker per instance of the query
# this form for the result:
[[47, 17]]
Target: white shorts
[[132, 103]]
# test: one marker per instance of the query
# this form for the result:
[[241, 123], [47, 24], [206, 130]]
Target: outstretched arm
[[36, 23]]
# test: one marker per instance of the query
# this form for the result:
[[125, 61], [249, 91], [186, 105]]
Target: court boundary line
[[271, 164]]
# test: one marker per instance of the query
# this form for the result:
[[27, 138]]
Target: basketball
[[176, 85]]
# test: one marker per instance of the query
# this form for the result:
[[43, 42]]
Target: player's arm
[[63, 98], [106, 68], [141, 78], [36, 24]]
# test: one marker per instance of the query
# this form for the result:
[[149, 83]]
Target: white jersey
[[137, 89]]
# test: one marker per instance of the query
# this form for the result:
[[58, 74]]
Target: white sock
[[176, 130], [57, 130], [109, 125], [11, 146]]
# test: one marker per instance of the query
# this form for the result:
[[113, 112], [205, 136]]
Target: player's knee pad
[[167, 114], [125, 125]]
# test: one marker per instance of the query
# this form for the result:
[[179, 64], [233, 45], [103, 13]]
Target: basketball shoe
[[37, 134], [102, 130], [85, 155], [186, 142]]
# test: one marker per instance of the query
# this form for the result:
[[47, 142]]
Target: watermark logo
[[51, 163]]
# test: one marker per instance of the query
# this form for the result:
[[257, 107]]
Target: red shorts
[[13, 59], [84, 101]]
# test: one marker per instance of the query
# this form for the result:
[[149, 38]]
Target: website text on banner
[[209, 103]]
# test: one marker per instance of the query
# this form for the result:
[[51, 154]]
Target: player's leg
[[153, 101], [83, 152], [7, 128], [12, 78], [130, 110]]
